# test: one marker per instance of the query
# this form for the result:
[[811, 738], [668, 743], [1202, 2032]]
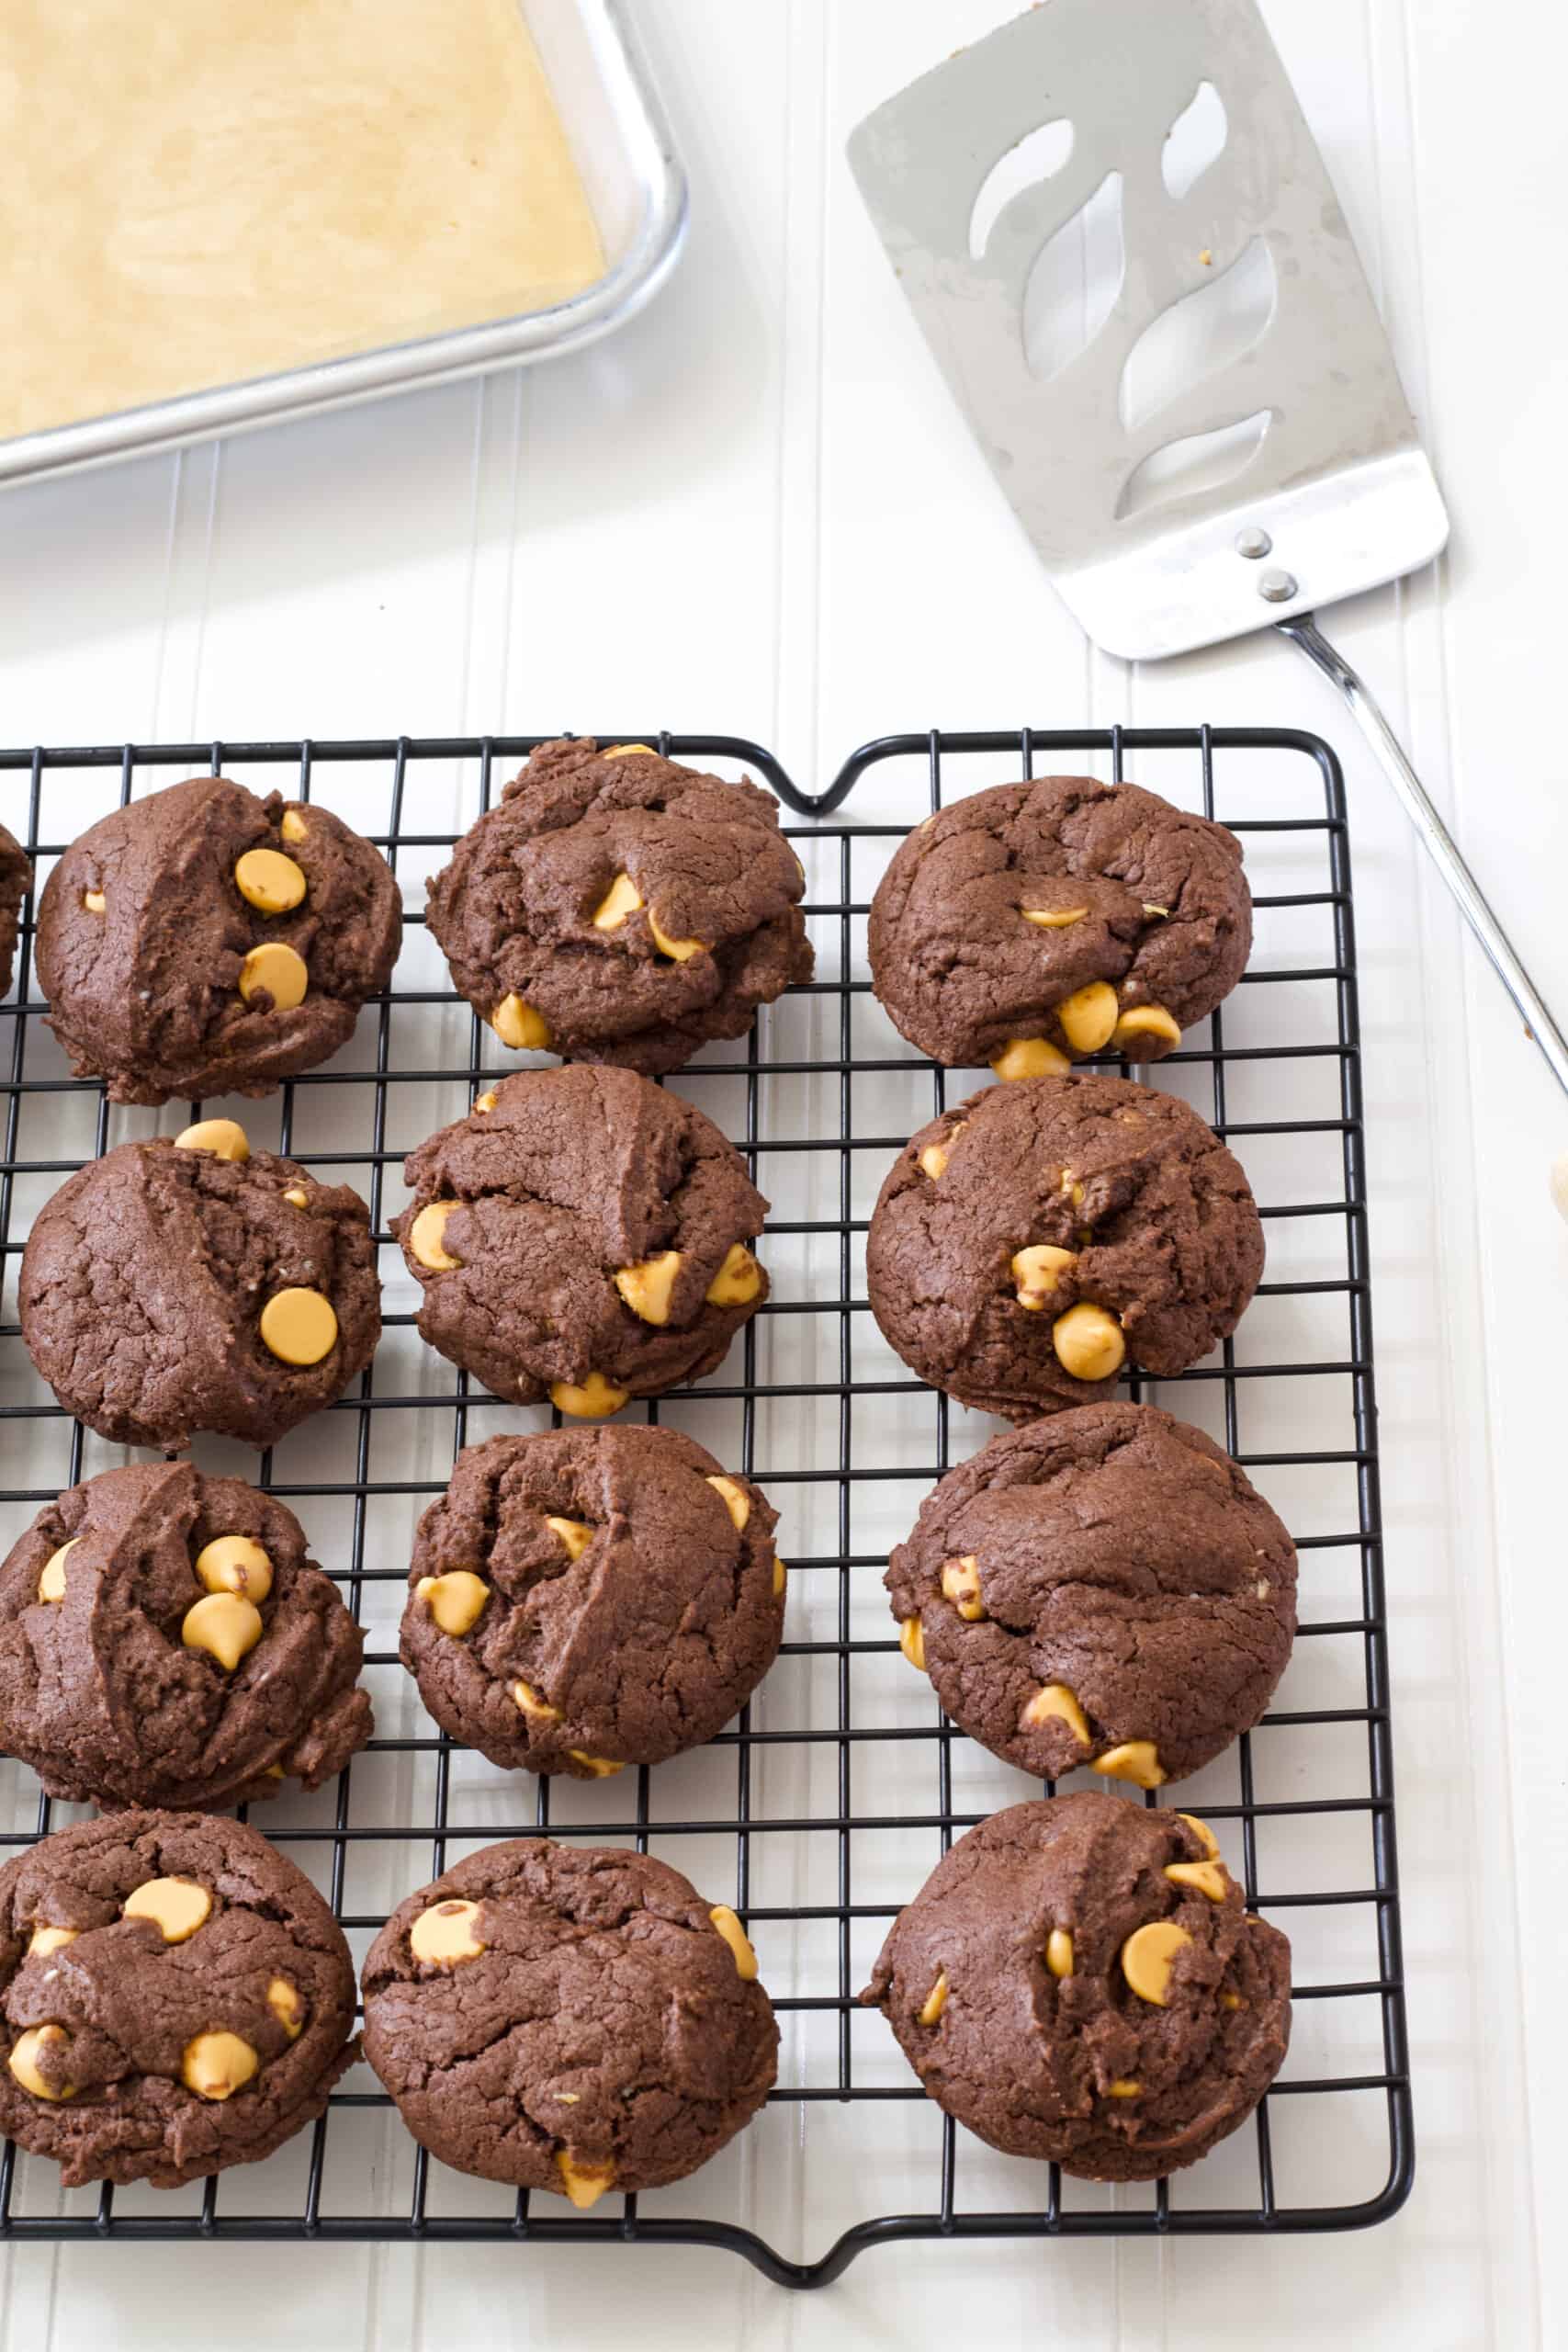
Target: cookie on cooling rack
[[584, 1599], [194, 1284], [166, 1639], [1079, 1980], [583, 1236], [615, 907], [568, 2018], [202, 942], [16, 881], [1103, 1587], [177, 1998], [1028, 1243], [1033, 923]]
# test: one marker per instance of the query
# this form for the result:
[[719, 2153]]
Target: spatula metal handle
[[1439, 842]]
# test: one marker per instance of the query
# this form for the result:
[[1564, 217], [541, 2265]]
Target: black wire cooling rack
[[824, 1807]]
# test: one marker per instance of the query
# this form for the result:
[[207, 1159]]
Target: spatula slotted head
[[1235, 392]]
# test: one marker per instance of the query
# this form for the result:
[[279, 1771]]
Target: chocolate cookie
[[582, 1235], [1079, 1980], [204, 941], [195, 1284], [1028, 1242], [177, 1998], [16, 881], [166, 1639], [1103, 1587], [568, 2018], [618, 908], [1037, 921], [587, 1599]]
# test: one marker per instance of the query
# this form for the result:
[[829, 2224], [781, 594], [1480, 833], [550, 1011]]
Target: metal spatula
[[1230, 446]]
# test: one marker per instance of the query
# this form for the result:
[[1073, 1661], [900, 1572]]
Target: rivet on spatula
[[1253, 543], [1277, 587]]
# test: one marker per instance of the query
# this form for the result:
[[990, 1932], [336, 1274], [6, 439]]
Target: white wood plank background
[[754, 510]]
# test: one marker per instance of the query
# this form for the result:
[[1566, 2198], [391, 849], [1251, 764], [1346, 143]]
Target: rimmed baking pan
[[188, 152]]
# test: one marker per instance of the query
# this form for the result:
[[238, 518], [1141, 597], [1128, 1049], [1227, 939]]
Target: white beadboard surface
[[755, 511]]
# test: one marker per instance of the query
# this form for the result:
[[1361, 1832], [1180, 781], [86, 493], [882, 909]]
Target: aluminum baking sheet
[[621, 144]]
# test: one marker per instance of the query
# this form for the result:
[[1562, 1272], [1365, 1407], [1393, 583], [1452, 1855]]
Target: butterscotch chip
[[521, 1025], [445, 1934], [215, 2065], [680, 950], [1148, 1956], [149, 983], [640, 908], [738, 1280], [269, 880], [1089, 1342], [1142, 1023], [594, 1951], [40, 2042], [1124, 1631], [235, 1564], [935, 2001], [1110, 2059], [275, 970], [648, 1288], [168, 2057], [1019, 1057], [455, 1600], [583, 2184], [427, 1238], [594, 1399], [284, 2000], [43, 1940], [601, 1217], [299, 1326], [52, 1575], [575, 1533], [621, 899], [177, 1906], [622, 1637], [146, 1543], [1135, 1759], [225, 1625], [736, 1501], [1001, 912], [1088, 1017], [1165, 1241], [735, 1936], [140, 1285], [226, 1137]]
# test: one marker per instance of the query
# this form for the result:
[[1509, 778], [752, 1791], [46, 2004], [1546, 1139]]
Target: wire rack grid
[[822, 1810]]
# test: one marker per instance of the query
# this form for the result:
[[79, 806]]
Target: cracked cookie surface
[[634, 907], [177, 1998], [1037, 1924], [105, 1689], [620, 1597], [148, 1279], [145, 937], [1149, 1226], [592, 1242], [583, 2025], [1125, 890], [16, 881], [1113, 1554]]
